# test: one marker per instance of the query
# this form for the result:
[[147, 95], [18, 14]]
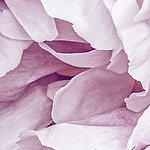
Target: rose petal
[[75, 137], [91, 93], [11, 28], [140, 137], [66, 32], [30, 111], [138, 101], [88, 21], [37, 23], [136, 39], [54, 87], [118, 117], [35, 63], [10, 53], [144, 12], [93, 58], [109, 4], [119, 63]]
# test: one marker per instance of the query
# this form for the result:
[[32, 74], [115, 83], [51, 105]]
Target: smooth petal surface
[[144, 12], [91, 93], [10, 53], [138, 101], [119, 62], [35, 63], [140, 137], [32, 16], [118, 117], [74, 137], [136, 39], [66, 32], [11, 28], [30, 111], [54, 87], [88, 21], [93, 58]]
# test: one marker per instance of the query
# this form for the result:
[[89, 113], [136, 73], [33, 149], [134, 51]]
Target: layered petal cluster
[[74, 75]]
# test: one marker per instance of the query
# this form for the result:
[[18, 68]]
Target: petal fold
[[36, 23], [90, 93], [75, 137], [88, 21]]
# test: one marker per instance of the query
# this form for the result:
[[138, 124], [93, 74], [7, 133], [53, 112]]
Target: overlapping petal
[[140, 138], [76, 137], [88, 21], [119, 62], [10, 53], [118, 117], [144, 12], [30, 111], [32, 16], [89, 59], [136, 39], [66, 32], [11, 28], [35, 63], [90, 93]]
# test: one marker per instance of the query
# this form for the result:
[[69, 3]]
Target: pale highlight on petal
[[90, 93], [11, 28], [32, 16], [140, 138], [10, 53], [88, 21], [92, 58], [66, 32], [77, 137]]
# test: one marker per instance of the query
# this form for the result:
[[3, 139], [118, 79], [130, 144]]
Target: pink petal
[[2, 5], [66, 32], [119, 62], [93, 58], [35, 63], [30, 111], [91, 93], [11, 28], [10, 53], [140, 137], [136, 39], [54, 87], [144, 12], [75, 137], [118, 117], [88, 21], [138, 101], [32, 16]]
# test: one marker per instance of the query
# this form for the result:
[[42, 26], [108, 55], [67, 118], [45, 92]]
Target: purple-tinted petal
[[138, 101], [76, 137], [30, 111], [118, 117], [91, 93], [136, 39], [144, 12], [140, 137], [11, 28], [32, 16], [119, 62], [66, 32], [10, 53], [54, 87], [35, 63], [88, 21], [93, 58]]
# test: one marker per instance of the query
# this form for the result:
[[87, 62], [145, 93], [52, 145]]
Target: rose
[[86, 85]]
